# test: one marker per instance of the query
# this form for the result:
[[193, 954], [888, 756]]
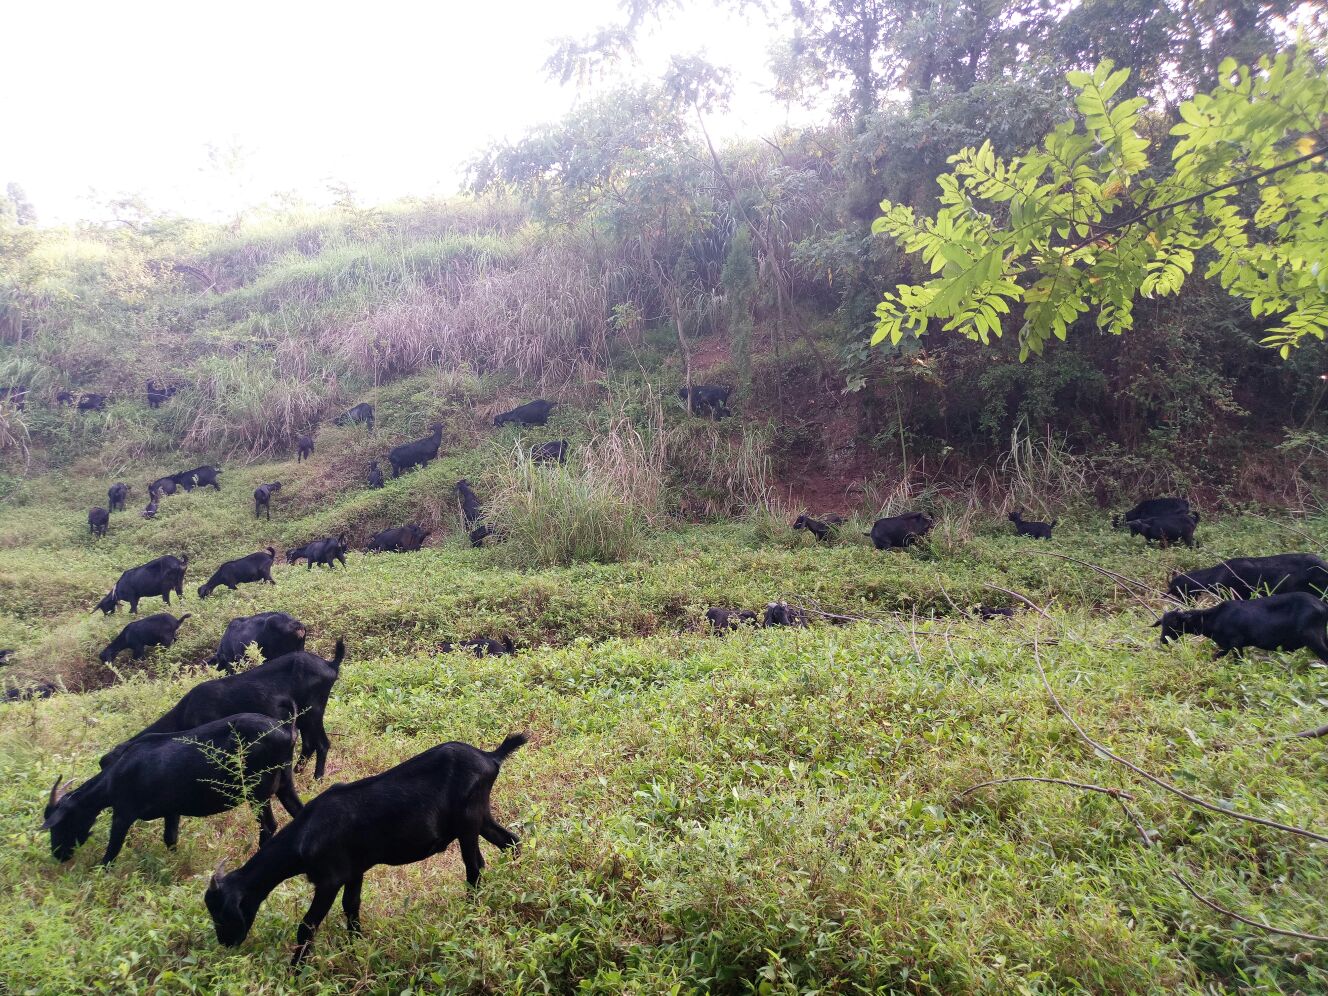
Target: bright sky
[[391, 98]]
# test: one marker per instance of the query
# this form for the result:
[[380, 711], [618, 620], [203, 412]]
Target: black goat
[[7, 656], [1150, 507], [708, 399], [399, 539], [375, 475], [116, 495], [294, 685], [1166, 529], [150, 509], [1245, 577], [184, 480], [470, 503], [323, 551], [988, 612], [152, 631], [478, 535], [205, 476], [188, 773], [900, 530], [64, 398], [304, 448], [16, 396], [398, 817], [164, 485], [550, 452], [408, 455], [783, 614], [41, 690], [482, 646], [99, 521], [157, 395], [361, 413], [253, 568], [822, 529], [275, 634], [531, 413], [1278, 622], [92, 403], [726, 619], [155, 579], [1025, 527], [263, 499]]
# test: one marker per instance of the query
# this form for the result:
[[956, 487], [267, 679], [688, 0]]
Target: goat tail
[[513, 743], [340, 654], [272, 552], [183, 618]]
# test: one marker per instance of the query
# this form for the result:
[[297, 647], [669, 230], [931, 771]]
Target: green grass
[[772, 811]]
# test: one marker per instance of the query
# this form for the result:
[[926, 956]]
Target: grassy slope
[[767, 809]]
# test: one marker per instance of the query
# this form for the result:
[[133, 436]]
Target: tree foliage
[[1081, 224]]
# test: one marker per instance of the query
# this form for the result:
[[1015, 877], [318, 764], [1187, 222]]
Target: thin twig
[[1113, 792], [1244, 919], [1160, 782], [1124, 581], [1014, 594]]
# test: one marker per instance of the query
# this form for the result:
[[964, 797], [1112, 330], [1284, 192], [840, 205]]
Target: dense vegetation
[[770, 810]]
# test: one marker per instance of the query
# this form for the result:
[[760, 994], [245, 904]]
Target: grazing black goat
[[253, 568], [324, 551], [92, 403], [155, 579], [375, 475], [116, 495], [1025, 527], [275, 633], [151, 631], [294, 685], [1246, 577], [408, 455], [6, 656], [535, 412], [64, 398], [478, 535], [304, 448], [1277, 622], [41, 690], [783, 614], [399, 539], [1166, 529], [164, 485], [204, 476], [1150, 507], [184, 480], [822, 529], [900, 530], [550, 452], [470, 503], [725, 619], [150, 509], [403, 815], [989, 612], [17, 396], [361, 413], [157, 395], [708, 399], [482, 646], [188, 773], [99, 520], [263, 499]]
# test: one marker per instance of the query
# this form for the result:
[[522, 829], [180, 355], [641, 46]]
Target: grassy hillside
[[767, 811]]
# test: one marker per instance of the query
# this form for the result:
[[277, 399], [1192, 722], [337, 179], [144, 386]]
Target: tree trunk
[[682, 344]]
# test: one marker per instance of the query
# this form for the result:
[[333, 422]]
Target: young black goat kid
[[1025, 527], [404, 815]]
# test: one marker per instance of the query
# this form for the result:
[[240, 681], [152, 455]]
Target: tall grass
[[1041, 475], [554, 515]]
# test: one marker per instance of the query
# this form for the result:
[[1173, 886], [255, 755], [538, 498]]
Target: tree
[[1079, 224], [24, 212]]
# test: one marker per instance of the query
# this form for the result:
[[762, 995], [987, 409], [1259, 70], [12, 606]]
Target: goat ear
[[1158, 623], [218, 874]]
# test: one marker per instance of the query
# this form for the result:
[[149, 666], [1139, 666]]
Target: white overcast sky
[[391, 98]]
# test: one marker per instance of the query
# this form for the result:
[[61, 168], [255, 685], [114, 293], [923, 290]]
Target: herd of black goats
[[231, 739]]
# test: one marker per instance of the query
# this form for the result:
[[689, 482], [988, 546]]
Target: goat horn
[[55, 791], [219, 872]]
